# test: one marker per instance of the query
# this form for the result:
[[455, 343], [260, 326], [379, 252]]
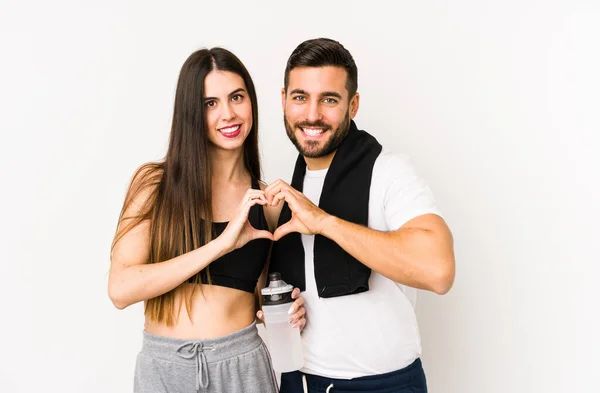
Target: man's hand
[[307, 218], [297, 311]]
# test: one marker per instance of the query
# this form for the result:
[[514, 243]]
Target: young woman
[[193, 239]]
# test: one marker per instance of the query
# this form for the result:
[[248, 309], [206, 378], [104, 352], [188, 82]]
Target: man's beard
[[310, 148]]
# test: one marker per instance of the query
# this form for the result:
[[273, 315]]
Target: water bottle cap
[[278, 291], [276, 286]]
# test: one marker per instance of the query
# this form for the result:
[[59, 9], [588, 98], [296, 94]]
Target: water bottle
[[283, 340]]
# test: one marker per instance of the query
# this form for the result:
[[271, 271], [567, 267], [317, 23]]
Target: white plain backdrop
[[497, 102]]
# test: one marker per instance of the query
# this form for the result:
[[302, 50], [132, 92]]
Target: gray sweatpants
[[238, 363]]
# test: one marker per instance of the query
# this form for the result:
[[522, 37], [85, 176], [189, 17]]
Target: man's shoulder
[[391, 163], [394, 171]]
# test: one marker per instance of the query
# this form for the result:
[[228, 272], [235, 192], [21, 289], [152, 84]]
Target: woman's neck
[[227, 167]]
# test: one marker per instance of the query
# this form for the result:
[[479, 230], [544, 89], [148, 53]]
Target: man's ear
[[283, 98], [354, 104]]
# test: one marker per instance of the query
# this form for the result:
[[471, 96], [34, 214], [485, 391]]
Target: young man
[[359, 233]]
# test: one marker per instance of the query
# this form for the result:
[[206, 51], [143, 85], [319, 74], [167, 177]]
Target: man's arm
[[419, 254]]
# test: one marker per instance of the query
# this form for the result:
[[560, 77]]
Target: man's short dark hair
[[322, 52]]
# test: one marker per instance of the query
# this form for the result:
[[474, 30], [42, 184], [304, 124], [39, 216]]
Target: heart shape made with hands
[[306, 217]]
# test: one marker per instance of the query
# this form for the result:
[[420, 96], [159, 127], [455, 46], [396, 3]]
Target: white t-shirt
[[376, 331]]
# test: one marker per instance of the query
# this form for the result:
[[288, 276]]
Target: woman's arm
[[132, 280]]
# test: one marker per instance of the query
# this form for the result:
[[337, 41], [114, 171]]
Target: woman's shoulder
[[144, 182], [147, 175], [147, 171]]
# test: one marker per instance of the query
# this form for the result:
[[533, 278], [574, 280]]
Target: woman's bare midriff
[[215, 311]]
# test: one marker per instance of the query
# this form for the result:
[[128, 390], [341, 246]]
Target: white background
[[497, 103]]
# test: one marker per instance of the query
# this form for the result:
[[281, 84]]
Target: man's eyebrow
[[299, 91], [331, 94], [323, 94]]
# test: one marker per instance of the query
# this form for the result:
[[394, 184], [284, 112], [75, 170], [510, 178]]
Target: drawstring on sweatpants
[[196, 349], [305, 387]]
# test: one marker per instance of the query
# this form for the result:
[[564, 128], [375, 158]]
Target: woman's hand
[[239, 231], [297, 311]]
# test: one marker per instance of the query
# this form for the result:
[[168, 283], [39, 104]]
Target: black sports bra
[[241, 268]]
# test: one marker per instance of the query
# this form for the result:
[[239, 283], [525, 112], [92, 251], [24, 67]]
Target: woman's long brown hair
[[179, 205]]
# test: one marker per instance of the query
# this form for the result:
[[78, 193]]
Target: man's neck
[[315, 164]]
